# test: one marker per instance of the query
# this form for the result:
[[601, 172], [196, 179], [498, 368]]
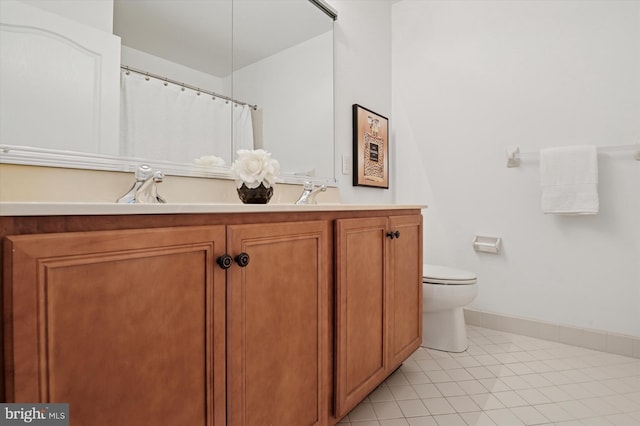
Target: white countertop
[[68, 209]]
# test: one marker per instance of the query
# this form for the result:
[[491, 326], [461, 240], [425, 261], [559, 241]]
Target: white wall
[[362, 52], [156, 65], [295, 82], [470, 79]]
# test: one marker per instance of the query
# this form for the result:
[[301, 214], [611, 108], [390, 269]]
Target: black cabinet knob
[[225, 261], [397, 234], [393, 235], [242, 259]]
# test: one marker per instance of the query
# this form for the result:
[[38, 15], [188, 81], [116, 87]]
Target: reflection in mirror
[[175, 85], [73, 71], [286, 68], [57, 85]]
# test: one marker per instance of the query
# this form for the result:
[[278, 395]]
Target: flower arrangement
[[209, 161], [255, 167]]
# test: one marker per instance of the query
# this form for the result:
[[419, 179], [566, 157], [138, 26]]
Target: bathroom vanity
[[208, 315], [190, 314]]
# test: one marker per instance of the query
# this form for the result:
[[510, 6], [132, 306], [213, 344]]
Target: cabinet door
[[404, 313], [277, 319], [78, 101], [360, 309], [125, 326]]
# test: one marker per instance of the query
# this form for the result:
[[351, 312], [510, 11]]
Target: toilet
[[446, 291]]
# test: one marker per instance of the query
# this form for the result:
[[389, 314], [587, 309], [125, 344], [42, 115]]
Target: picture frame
[[370, 148]]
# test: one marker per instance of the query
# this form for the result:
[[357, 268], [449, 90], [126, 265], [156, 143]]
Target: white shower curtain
[[165, 122], [242, 128]]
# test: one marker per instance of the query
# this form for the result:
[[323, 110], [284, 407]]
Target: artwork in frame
[[370, 148]]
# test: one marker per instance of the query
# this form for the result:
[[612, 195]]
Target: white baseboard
[[599, 340]]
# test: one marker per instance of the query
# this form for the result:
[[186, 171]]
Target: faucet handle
[[143, 172], [309, 193], [158, 177]]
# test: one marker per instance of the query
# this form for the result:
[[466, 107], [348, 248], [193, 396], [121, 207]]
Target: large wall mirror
[[196, 81]]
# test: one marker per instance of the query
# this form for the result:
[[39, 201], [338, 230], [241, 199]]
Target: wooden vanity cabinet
[[404, 319], [143, 327], [378, 302], [131, 319], [128, 327], [278, 324]]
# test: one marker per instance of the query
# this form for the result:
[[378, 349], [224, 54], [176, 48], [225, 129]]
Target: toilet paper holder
[[487, 244]]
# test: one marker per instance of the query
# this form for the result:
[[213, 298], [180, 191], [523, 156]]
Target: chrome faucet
[[309, 193], [145, 188]]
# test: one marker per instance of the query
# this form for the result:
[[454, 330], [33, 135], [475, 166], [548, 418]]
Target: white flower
[[209, 161], [255, 167]]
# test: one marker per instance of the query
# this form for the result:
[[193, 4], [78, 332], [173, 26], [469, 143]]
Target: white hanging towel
[[569, 178]]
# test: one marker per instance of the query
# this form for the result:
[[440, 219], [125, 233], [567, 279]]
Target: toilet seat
[[445, 275]]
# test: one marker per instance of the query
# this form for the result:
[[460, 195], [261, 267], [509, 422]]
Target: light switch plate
[[346, 164]]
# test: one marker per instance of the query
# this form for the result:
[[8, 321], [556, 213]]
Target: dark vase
[[258, 195]]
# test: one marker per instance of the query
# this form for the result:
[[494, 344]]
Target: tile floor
[[506, 379]]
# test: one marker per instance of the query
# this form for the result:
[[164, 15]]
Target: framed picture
[[370, 148]]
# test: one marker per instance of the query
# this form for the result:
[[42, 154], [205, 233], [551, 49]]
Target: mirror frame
[[13, 154]]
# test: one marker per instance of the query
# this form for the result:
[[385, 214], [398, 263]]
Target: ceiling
[[198, 33]]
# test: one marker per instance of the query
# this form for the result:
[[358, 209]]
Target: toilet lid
[[437, 274]]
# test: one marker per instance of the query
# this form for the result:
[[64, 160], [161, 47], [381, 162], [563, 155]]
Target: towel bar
[[514, 155]]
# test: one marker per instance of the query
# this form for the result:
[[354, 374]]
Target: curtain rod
[[184, 85]]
